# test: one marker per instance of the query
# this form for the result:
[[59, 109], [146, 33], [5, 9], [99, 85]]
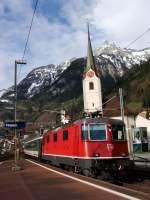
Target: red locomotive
[[92, 146]]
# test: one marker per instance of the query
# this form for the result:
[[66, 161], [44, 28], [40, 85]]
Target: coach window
[[55, 137], [65, 135], [48, 139], [34, 145], [28, 146], [91, 85]]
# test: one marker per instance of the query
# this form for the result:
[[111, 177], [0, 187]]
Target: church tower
[[92, 92]]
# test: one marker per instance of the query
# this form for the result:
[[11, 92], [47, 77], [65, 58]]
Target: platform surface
[[37, 183]]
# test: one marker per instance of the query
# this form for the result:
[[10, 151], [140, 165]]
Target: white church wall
[[93, 97]]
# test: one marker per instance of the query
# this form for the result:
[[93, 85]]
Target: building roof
[[144, 115], [112, 108]]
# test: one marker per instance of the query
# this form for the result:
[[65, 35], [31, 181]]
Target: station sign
[[17, 125]]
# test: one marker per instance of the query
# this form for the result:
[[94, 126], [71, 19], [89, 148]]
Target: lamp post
[[16, 166]]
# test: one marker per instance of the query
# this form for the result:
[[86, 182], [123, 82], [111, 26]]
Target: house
[[141, 121]]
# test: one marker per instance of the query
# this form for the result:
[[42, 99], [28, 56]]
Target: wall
[[142, 122]]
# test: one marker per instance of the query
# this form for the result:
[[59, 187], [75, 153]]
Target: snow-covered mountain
[[116, 60], [113, 62], [42, 77]]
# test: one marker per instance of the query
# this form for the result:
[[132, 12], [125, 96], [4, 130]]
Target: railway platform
[[42, 182], [142, 160], [143, 155]]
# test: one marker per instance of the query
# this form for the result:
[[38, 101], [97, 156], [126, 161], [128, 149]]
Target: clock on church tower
[[90, 74]]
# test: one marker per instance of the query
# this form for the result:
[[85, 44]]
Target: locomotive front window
[[93, 132], [118, 132], [97, 132]]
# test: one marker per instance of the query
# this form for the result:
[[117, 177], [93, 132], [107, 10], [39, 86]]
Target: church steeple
[[92, 92], [90, 64]]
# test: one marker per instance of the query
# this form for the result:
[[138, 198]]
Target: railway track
[[138, 179]]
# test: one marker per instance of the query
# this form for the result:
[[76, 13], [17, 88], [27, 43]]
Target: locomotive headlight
[[96, 155], [120, 167]]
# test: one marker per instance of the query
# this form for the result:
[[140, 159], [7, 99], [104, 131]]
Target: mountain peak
[[107, 47], [108, 44]]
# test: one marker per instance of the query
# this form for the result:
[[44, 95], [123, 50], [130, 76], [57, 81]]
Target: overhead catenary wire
[[140, 36], [30, 27], [29, 32]]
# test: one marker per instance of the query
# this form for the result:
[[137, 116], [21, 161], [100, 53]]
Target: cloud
[[123, 21], [59, 30], [12, 28]]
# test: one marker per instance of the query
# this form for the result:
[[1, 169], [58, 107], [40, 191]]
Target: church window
[[91, 85]]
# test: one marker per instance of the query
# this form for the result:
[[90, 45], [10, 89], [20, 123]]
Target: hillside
[[136, 86], [54, 87]]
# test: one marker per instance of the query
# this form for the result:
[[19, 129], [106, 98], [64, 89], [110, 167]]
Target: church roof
[[90, 58]]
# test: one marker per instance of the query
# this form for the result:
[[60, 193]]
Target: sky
[[59, 30]]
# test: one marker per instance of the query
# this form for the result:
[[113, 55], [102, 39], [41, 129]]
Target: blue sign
[[17, 125]]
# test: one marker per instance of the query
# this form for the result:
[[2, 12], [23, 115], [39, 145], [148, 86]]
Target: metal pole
[[122, 114], [121, 104], [15, 116], [15, 95], [16, 166]]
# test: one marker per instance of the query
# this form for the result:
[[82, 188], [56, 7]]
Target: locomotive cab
[[104, 144], [105, 140]]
